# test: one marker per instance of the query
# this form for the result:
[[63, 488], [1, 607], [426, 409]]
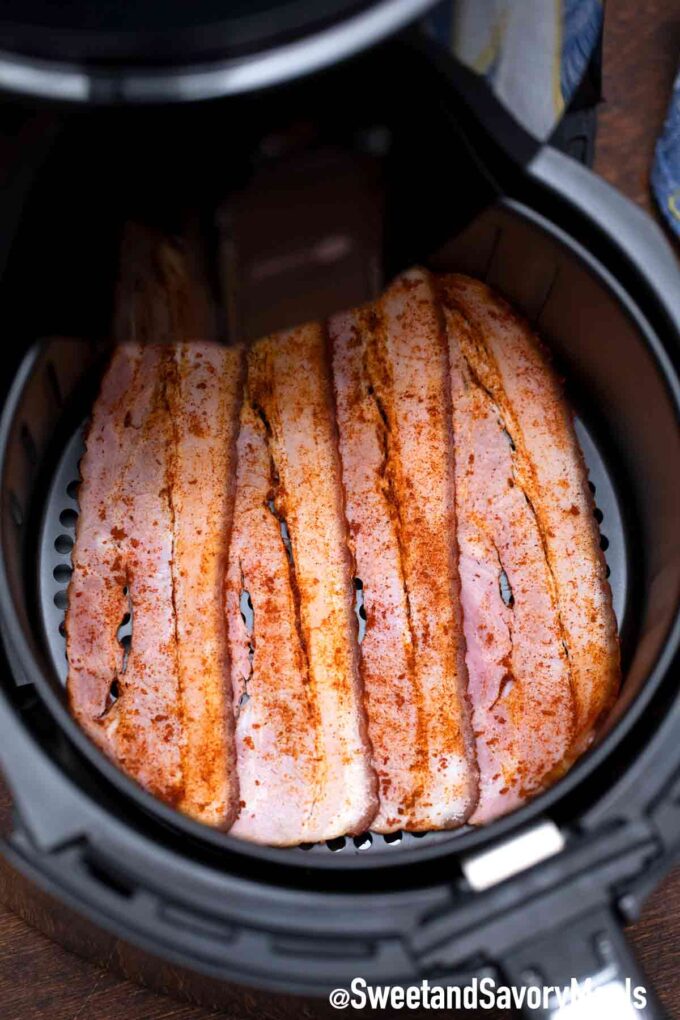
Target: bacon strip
[[520, 685], [387, 654], [161, 296], [404, 529], [289, 384], [145, 723], [204, 406], [511, 365], [97, 603], [277, 724], [435, 458], [120, 552], [153, 535], [152, 541]]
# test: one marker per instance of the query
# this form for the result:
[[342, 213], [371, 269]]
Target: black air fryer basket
[[539, 896]]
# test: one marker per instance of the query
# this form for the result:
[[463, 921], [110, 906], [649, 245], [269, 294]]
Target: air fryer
[[539, 896]]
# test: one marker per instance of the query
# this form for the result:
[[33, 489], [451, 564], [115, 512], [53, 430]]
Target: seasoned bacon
[[204, 406], [152, 541], [549, 467], [123, 552], [392, 701], [520, 685], [278, 734], [145, 723], [97, 602], [156, 505], [409, 370], [391, 378], [289, 386], [418, 450], [161, 297], [166, 418]]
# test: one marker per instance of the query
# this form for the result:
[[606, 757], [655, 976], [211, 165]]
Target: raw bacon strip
[[145, 723], [408, 370], [123, 552], [519, 680], [156, 506], [289, 384], [277, 723], [161, 297], [511, 365], [97, 602], [204, 404], [387, 654]]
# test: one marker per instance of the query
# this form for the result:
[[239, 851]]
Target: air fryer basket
[[620, 382], [625, 416]]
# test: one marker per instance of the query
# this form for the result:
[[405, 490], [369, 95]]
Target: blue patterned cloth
[[666, 170], [581, 30], [534, 54]]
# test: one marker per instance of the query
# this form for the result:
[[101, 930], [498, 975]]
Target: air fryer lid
[[151, 51]]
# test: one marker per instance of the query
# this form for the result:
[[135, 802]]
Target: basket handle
[[593, 965]]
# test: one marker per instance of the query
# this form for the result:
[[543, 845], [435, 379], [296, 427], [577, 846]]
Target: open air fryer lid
[[148, 52]]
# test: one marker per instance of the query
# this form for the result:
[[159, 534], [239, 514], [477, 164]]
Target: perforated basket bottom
[[54, 570]]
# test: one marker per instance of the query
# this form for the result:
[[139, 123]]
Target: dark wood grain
[[39, 978], [641, 56]]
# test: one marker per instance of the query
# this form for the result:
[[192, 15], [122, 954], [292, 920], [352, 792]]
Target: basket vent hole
[[505, 589], [335, 845], [68, 518], [359, 608], [15, 510], [598, 515], [247, 611], [124, 632], [62, 629], [62, 573], [393, 838], [28, 443], [608, 571], [61, 599], [124, 637], [63, 543], [604, 543], [364, 841], [306, 846], [112, 696], [419, 835], [72, 489], [592, 488]]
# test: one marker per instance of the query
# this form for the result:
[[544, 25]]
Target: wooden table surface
[[39, 979]]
